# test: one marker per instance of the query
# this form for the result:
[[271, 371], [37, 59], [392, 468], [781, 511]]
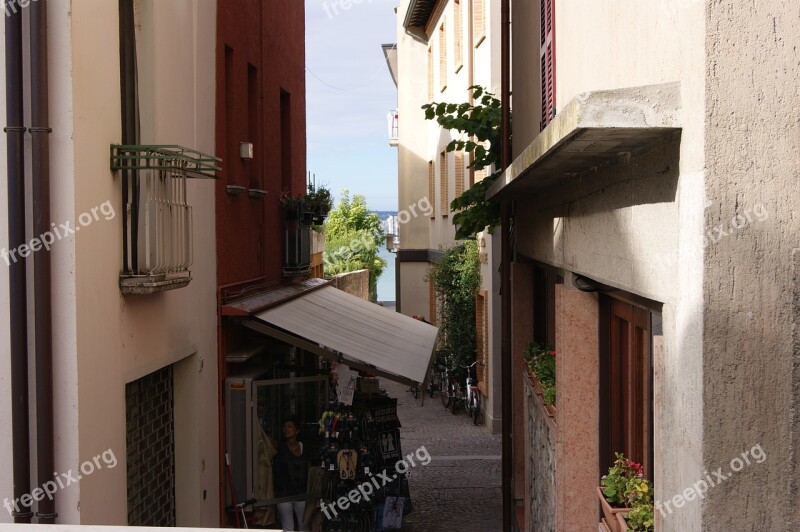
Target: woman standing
[[291, 476]]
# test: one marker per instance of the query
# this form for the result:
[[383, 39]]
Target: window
[[459, 175], [544, 305], [286, 140], [482, 340], [254, 125], [442, 57], [432, 189], [479, 21], [626, 390], [430, 73], [231, 133], [458, 35], [445, 184], [547, 56]]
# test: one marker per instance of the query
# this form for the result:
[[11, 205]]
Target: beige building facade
[[443, 48], [653, 250], [110, 349]]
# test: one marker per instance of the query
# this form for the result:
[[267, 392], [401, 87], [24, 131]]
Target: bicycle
[[474, 398], [238, 509]]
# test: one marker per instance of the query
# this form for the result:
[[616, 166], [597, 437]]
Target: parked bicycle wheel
[[456, 399], [476, 406], [445, 394]]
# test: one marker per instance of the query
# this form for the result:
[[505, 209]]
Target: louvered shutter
[[459, 174], [548, 61], [432, 188], [444, 192]]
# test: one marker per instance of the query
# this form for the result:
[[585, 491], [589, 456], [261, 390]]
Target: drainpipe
[[15, 131], [40, 171], [505, 281]]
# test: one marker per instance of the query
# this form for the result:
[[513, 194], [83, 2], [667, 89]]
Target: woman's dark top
[[290, 472]]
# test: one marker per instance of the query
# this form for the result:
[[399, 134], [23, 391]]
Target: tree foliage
[[457, 279], [480, 122], [353, 237]]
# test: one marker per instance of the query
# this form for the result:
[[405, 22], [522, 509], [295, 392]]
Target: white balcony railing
[[158, 222], [393, 128]]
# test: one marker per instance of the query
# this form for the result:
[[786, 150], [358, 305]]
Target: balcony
[[297, 249], [394, 125], [157, 227]]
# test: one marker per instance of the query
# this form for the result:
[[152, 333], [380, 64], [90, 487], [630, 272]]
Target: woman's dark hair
[[292, 420]]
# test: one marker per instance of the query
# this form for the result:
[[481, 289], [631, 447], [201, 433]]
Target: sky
[[349, 92]]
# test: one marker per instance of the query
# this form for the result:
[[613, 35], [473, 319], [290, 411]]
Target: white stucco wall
[[635, 225], [121, 339], [102, 340]]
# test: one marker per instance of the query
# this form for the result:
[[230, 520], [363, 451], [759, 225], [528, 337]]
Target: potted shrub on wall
[[612, 490], [542, 363]]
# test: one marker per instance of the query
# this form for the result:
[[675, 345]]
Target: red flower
[[552, 353]]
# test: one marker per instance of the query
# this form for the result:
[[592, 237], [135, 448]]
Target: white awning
[[355, 332]]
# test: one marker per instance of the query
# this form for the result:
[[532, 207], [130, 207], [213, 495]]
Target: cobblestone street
[[461, 487]]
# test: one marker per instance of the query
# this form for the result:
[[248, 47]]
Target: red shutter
[[548, 60]]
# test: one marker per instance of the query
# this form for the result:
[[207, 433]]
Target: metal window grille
[[158, 252], [150, 449]]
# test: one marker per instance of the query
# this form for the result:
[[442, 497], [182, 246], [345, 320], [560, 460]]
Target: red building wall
[[260, 99]]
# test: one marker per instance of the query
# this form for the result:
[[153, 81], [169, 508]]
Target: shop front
[[310, 438]]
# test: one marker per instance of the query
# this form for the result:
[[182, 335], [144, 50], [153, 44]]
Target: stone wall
[[540, 464], [355, 283]]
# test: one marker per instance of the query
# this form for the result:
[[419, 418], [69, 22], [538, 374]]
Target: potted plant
[[542, 363], [639, 497], [613, 487], [293, 205], [319, 201]]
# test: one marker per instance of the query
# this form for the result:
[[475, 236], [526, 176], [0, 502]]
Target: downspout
[[505, 280], [40, 171], [15, 131]]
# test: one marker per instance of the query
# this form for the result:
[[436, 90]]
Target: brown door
[[626, 385]]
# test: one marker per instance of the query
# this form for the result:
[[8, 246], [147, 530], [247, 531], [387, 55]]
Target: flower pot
[[537, 387], [611, 513], [623, 525]]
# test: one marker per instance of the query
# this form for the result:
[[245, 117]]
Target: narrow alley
[[461, 487]]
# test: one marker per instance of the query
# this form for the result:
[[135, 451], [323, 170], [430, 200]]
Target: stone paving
[[461, 488]]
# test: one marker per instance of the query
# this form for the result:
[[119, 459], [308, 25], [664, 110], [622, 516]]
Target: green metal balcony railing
[[157, 250]]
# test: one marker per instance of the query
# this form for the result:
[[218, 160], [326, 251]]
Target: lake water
[[386, 282]]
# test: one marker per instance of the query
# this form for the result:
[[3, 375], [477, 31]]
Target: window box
[[611, 513]]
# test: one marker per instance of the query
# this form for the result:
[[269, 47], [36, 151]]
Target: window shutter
[[479, 21], [444, 192], [548, 61], [482, 340], [459, 175], [430, 74], [442, 57], [458, 23], [432, 189]]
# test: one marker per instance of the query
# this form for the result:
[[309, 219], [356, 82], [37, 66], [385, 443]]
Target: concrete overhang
[[592, 131]]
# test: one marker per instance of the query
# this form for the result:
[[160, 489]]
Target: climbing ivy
[[457, 279], [480, 122]]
